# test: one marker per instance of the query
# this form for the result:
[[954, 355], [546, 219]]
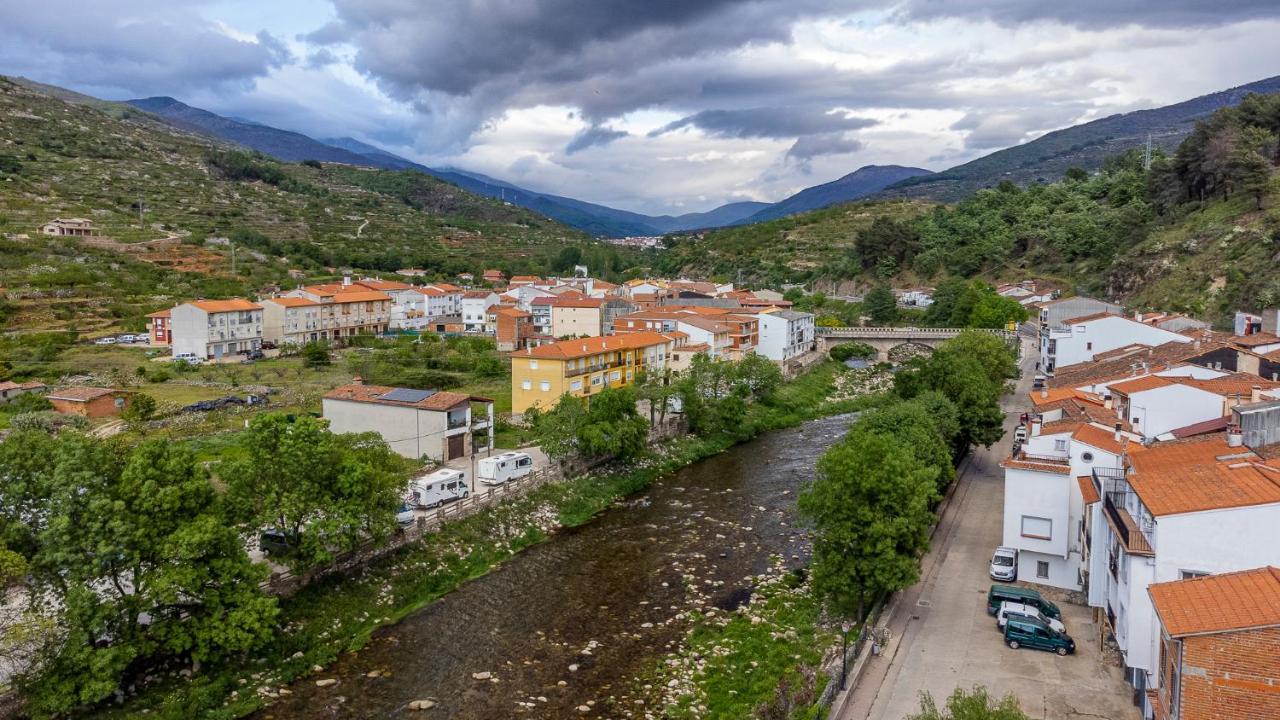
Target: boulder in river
[[422, 704], [326, 682], [486, 675]]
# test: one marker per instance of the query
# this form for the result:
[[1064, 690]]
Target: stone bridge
[[885, 339]]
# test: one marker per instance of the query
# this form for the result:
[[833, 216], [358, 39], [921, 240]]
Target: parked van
[[1013, 610], [438, 488], [1012, 593], [501, 468], [189, 358], [1027, 632], [1004, 564]]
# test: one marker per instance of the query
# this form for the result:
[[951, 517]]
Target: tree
[[557, 428], [142, 407], [870, 510], [881, 305], [912, 423], [1076, 174], [844, 351], [315, 354], [969, 370], [977, 704], [605, 426], [325, 492]]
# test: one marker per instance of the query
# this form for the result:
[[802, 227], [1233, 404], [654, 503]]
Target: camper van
[[501, 468], [438, 488]]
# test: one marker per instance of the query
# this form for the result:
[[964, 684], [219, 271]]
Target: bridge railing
[[898, 332]]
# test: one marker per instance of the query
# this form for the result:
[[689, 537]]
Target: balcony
[[1135, 542], [574, 372]]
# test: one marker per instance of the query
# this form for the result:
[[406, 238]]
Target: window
[[1060, 445], [526, 385], [615, 375], [1088, 346], [533, 364], [1037, 527], [1042, 569], [575, 385], [1086, 456], [545, 386], [1189, 574], [596, 380]]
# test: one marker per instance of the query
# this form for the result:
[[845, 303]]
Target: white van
[[438, 488], [1013, 609], [501, 468]]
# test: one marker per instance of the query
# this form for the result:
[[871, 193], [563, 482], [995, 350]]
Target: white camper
[[501, 468], [438, 488]]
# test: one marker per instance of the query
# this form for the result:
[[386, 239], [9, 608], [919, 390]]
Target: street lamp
[[845, 627]]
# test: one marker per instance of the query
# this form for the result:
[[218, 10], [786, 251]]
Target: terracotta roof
[[11, 385], [603, 285], [324, 290], [232, 305], [1142, 384], [577, 302], [1118, 364], [375, 284], [510, 311], [1038, 466], [695, 348], [447, 287], [439, 400], [1202, 473], [1201, 428], [1088, 491], [360, 296], [645, 296], [1219, 603], [1105, 440], [1091, 317], [1229, 385], [161, 314], [585, 347], [477, 293], [1255, 339], [293, 301], [1051, 395], [81, 394], [1058, 427], [525, 278]]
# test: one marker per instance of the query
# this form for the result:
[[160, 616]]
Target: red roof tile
[[1219, 603], [1088, 491], [440, 400]]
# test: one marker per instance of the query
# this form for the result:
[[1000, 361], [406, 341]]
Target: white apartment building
[[576, 317], [432, 424], [1181, 510], [475, 310], [1077, 340], [292, 320], [348, 309], [785, 334], [213, 329], [523, 295]]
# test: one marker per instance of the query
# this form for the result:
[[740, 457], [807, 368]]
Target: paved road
[[943, 638]]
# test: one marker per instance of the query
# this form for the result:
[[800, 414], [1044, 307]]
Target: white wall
[[1080, 343], [1041, 495], [1171, 407], [190, 331], [408, 431]]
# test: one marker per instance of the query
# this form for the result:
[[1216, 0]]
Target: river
[[573, 621]]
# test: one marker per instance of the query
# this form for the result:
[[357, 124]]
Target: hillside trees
[[970, 371], [881, 306]]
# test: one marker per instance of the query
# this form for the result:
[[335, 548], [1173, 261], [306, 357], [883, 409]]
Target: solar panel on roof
[[408, 395]]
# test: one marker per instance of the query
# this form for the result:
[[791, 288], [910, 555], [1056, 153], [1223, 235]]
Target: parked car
[[274, 542], [440, 487], [501, 468], [405, 516], [1038, 381], [127, 339], [1020, 434], [268, 345], [252, 355], [1004, 564], [1012, 593], [105, 341], [188, 358], [1027, 632], [1013, 609]]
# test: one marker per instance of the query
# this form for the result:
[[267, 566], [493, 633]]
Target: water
[[612, 588]]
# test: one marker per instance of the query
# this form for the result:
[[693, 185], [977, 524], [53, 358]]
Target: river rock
[[486, 675], [326, 682], [583, 708], [573, 667], [422, 704]]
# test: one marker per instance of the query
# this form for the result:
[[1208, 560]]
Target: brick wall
[[1231, 676]]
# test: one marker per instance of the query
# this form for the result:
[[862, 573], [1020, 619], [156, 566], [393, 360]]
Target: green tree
[[970, 370], [557, 428], [870, 510], [844, 351], [881, 305], [142, 407], [325, 492], [912, 423], [612, 427], [315, 354], [976, 704]]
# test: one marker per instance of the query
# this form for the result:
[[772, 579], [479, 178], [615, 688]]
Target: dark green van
[[1029, 632], [1012, 593]]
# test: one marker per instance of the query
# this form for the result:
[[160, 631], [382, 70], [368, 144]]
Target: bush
[[844, 351], [141, 408], [316, 355]]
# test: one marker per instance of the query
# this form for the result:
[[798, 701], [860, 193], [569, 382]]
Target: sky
[[656, 106]]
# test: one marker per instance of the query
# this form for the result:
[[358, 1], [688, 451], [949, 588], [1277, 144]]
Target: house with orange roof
[[583, 367], [475, 306], [512, 327], [699, 329], [1158, 405], [1219, 636], [493, 276], [292, 320], [1079, 339], [433, 424], [214, 329], [352, 308], [1177, 510], [90, 402], [158, 327]]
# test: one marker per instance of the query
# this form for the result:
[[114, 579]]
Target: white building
[[475, 309], [1077, 340], [212, 329], [292, 320], [785, 334], [523, 295], [417, 424]]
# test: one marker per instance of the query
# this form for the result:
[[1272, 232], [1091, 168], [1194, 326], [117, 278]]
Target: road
[[943, 638]]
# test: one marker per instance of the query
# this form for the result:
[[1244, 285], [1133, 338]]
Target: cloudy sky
[[653, 105]]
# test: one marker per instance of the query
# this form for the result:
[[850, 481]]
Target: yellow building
[[540, 375]]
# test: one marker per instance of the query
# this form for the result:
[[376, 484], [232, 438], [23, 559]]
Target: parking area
[[944, 639]]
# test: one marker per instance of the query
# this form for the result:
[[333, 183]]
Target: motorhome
[[438, 488], [501, 468]]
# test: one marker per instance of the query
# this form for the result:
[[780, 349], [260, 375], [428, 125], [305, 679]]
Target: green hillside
[[71, 156]]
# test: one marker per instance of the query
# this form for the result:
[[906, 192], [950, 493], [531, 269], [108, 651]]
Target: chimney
[[1044, 393], [1137, 315], [1035, 426], [357, 380], [1107, 402], [1235, 438], [1196, 344], [1255, 394], [346, 281], [1118, 435]]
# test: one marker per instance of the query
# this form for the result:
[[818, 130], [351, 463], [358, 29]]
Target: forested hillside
[[1199, 231]]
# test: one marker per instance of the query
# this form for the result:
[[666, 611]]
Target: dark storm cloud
[[812, 146], [767, 122], [1092, 14], [594, 135], [143, 46]]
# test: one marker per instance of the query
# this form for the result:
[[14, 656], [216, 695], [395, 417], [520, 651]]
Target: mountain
[[1048, 157], [858, 184], [730, 214]]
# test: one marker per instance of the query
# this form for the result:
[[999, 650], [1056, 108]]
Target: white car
[[105, 341], [127, 339], [188, 358], [1012, 608], [1004, 564]]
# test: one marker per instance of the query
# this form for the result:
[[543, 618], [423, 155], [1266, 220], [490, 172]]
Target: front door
[[456, 445]]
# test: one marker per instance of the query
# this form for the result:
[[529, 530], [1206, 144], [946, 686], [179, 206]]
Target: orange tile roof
[[1118, 364], [160, 314], [233, 305], [375, 284], [1142, 384], [1105, 440], [360, 296], [1201, 473], [293, 301], [1234, 384], [325, 289], [1088, 491], [478, 294], [440, 400], [1091, 317], [1255, 339], [1050, 395], [1060, 426], [586, 347], [1050, 467], [447, 287], [526, 278], [81, 394], [510, 311], [1219, 603]]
